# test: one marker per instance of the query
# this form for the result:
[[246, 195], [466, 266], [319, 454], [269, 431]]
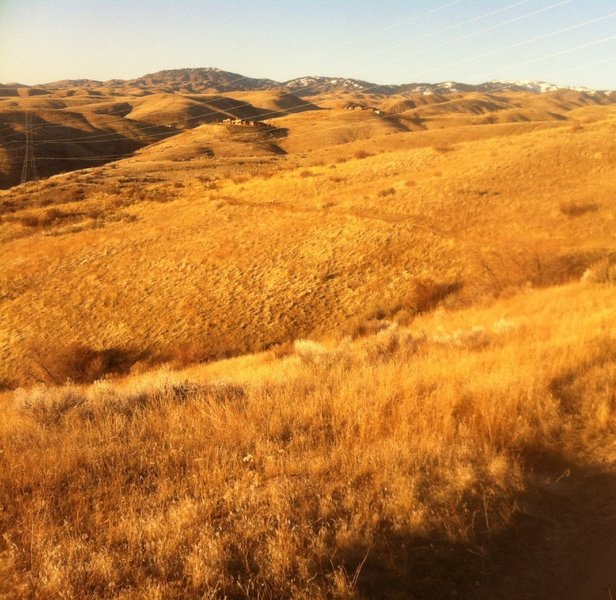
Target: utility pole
[[28, 170]]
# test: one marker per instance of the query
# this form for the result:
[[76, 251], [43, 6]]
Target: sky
[[568, 42]]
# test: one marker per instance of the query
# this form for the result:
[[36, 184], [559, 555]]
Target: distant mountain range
[[203, 80]]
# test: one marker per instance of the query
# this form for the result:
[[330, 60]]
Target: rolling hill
[[372, 204], [83, 123], [345, 345], [213, 80], [83, 130]]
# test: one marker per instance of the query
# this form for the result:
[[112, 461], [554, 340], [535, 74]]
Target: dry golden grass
[[341, 470], [410, 349], [235, 262]]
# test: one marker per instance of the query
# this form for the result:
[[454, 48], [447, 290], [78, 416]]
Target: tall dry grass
[[355, 468]]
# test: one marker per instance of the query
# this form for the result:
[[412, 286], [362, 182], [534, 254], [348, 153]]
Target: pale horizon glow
[[567, 42]]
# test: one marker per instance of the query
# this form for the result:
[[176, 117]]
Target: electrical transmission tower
[[28, 171]]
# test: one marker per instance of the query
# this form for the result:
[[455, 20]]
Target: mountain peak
[[213, 79]]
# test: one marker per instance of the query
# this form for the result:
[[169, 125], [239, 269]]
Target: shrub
[[404, 317], [224, 392], [384, 344], [426, 293], [603, 271], [310, 351], [361, 154], [191, 353], [358, 327], [283, 349], [46, 406], [77, 363], [316, 355], [49, 217], [53, 214], [386, 192], [209, 183], [476, 338], [7, 384], [576, 209], [501, 271], [239, 179], [30, 220]]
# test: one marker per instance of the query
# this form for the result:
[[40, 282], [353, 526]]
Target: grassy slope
[[233, 265], [277, 477], [393, 463]]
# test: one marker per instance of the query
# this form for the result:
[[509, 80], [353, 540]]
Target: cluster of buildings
[[376, 111], [244, 123]]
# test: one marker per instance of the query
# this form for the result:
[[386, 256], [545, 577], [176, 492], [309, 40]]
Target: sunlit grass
[[280, 486]]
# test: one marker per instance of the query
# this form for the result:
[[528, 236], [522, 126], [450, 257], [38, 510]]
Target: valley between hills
[[320, 339]]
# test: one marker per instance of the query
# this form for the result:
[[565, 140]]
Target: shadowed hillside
[[84, 123], [78, 131]]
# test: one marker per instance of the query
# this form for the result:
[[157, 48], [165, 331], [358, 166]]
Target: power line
[[28, 170], [398, 24], [535, 39], [106, 137], [101, 137], [415, 40]]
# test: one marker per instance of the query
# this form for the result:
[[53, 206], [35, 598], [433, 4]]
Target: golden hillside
[[92, 127], [340, 353], [237, 246], [410, 463]]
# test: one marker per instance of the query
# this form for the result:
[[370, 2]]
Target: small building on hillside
[[376, 111], [246, 123]]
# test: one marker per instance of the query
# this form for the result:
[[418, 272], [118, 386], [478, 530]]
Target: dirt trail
[[565, 545]]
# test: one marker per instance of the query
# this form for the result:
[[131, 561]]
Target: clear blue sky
[[385, 41]]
